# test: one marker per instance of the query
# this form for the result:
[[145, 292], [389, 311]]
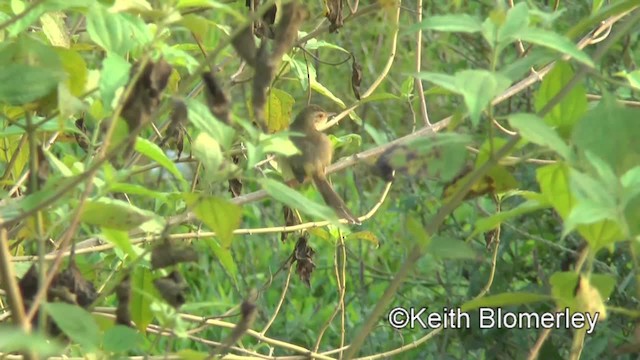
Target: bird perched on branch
[[316, 152]]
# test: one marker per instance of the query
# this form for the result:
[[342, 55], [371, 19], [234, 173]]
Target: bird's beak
[[331, 114]]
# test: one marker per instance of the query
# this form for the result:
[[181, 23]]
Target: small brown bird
[[315, 155]]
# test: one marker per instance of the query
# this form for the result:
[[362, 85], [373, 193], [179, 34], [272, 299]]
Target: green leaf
[[295, 200], [76, 70], [587, 212], [565, 114], [517, 20], [554, 185], [633, 78], [121, 240], [114, 214], [115, 32], [448, 248], [364, 235], [533, 129], [155, 153], [278, 143], [201, 118], [121, 339], [76, 323], [207, 150], [15, 339], [218, 214], [21, 84], [114, 74], [563, 287], [278, 110], [224, 256], [556, 42], [140, 304], [504, 299], [449, 23], [321, 89], [604, 283], [610, 132]]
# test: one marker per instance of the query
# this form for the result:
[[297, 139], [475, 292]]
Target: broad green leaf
[[554, 185], [278, 110], [611, 132], [76, 323], [587, 212], [121, 339], [443, 80], [21, 84], [450, 23], [533, 129], [504, 299], [604, 283], [278, 143], [114, 214], [218, 214], [14, 339], [115, 32], [177, 57], [140, 303], [448, 248], [294, 199], [121, 240], [568, 111], [517, 19], [563, 287], [631, 179], [488, 223], [556, 42], [479, 87], [155, 153], [605, 173], [364, 235], [586, 187], [201, 118], [114, 74], [207, 150]]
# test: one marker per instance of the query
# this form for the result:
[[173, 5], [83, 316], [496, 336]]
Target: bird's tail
[[333, 199]]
